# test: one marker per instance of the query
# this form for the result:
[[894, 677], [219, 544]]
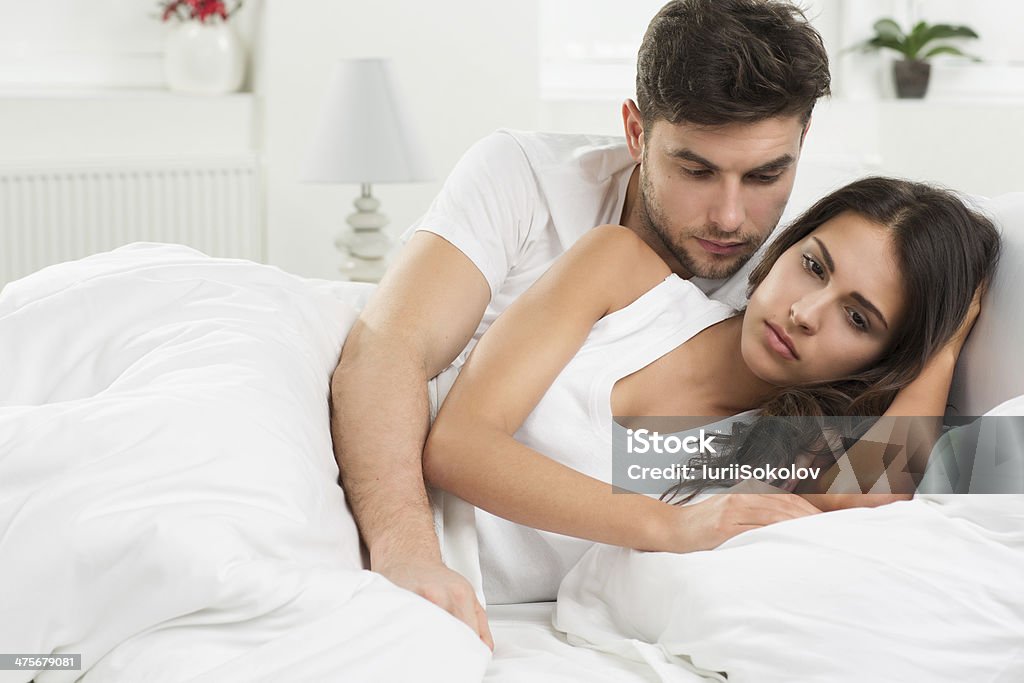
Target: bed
[[168, 510]]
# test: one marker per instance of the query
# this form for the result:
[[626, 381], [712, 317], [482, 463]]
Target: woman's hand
[[708, 524], [956, 342]]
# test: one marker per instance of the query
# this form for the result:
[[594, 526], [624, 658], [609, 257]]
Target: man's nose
[[728, 212]]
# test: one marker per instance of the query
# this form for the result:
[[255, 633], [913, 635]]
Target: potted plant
[[912, 72]]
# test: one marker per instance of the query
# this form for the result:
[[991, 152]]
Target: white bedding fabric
[[924, 590], [529, 649], [168, 506], [990, 369], [168, 510]]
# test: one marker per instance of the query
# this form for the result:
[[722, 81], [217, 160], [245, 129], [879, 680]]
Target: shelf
[[45, 124], [118, 94]]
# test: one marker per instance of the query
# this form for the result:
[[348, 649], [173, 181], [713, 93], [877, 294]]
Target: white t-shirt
[[572, 425], [517, 200]]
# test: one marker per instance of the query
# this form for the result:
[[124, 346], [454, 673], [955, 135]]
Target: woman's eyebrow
[[870, 306], [861, 299], [829, 263]]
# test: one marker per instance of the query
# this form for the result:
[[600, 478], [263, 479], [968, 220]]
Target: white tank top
[[572, 424]]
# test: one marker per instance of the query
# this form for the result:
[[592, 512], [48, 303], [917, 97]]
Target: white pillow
[[991, 367], [903, 592], [925, 590]]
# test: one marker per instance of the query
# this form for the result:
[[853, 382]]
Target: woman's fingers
[[711, 522], [799, 505], [751, 511], [755, 491], [783, 506], [765, 515], [960, 336]]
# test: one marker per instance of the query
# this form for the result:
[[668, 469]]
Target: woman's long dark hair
[[945, 251]]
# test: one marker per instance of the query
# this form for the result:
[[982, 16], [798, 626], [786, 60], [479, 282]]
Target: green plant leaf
[[949, 50], [916, 40], [887, 28], [879, 42], [889, 35], [941, 31]]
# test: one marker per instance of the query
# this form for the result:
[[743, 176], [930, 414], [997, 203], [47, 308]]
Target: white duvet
[[168, 497]]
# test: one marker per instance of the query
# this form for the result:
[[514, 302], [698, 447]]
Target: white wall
[[466, 68]]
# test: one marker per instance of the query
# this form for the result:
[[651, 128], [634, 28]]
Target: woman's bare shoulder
[[621, 254]]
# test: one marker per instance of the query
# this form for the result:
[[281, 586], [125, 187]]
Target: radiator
[[57, 212]]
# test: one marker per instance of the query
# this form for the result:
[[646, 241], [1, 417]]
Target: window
[[588, 47]]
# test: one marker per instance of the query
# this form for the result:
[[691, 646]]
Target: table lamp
[[364, 137]]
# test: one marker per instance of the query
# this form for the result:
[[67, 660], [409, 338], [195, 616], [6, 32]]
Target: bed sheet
[[528, 648]]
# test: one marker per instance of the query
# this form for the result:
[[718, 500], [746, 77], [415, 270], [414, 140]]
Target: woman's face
[[828, 307]]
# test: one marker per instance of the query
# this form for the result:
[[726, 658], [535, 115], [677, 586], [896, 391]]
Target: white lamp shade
[[364, 134]]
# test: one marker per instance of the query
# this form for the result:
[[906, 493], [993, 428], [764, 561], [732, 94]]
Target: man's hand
[[443, 587]]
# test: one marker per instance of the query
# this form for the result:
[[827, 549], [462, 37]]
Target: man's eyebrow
[[783, 161], [688, 155], [831, 265]]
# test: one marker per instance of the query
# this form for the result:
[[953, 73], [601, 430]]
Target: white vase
[[204, 58]]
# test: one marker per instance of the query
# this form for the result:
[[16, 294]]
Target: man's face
[[713, 195]]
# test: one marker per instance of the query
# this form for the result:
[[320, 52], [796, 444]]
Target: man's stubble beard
[[654, 223]]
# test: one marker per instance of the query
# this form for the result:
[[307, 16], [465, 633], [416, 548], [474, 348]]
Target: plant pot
[[204, 58], [911, 78]]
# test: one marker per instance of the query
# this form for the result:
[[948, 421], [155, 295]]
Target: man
[[725, 91]]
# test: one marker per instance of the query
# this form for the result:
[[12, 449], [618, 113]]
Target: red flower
[[197, 9]]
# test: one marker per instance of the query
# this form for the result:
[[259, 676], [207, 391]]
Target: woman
[[858, 308]]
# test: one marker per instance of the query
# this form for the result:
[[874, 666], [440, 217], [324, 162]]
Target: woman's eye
[[857, 320], [813, 267]]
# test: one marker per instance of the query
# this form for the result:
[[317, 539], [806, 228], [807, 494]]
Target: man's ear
[[633, 123]]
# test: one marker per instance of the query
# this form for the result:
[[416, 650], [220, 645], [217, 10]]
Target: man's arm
[[422, 315]]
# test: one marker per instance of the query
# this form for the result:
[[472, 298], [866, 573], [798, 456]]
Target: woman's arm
[[471, 452]]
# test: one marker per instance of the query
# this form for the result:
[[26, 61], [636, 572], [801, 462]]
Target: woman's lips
[[724, 248], [778, 342]]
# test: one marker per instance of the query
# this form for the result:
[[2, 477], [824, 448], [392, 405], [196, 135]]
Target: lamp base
[[365, 246]]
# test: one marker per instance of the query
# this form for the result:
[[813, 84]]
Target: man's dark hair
[[713, 62]]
